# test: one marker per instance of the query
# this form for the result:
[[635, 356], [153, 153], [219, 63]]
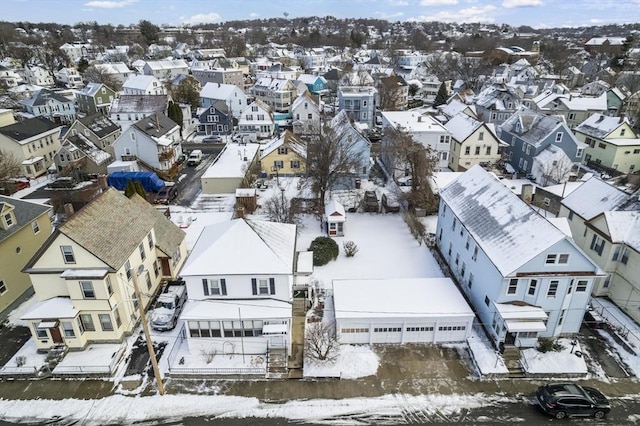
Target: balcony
[[165, 155]]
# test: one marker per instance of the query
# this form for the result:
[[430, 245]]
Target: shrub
[[548, 345], [350, 248], [324, 250]]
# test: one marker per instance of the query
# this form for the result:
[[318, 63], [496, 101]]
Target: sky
[[534, 13]]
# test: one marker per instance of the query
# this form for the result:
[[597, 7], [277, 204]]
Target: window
[[67, 254], [35, 227], [143, 255], [532, 287], [467, 150], [108, 284], [87, 322], [602, 145], [148, 280], [3, 287], [559, 137], [475, 253], [487, 301], [551, 259], [563, 259], [553, 289], [513, 286], [581, 286], [477, 150], [295, 164], [127, 268], [620, 255], [282, 150], [622, 131], [150, 241], [278, 164], [116, 315], [570, 287], [263, 287], [470, 279], [481, 136], [40, 332], [579, 152], [87, 290], [570, 217], [132, 135], [488, 151], [597, 244], [547, 201], [105, 322], [214, 287], [561, 318], [67, 326]]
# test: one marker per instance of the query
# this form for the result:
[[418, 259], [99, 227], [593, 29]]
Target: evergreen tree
[[441, 97], [130, 189], [140, 189], [175, 114]]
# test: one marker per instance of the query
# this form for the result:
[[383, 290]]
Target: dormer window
[[9, 220], [622, 132]]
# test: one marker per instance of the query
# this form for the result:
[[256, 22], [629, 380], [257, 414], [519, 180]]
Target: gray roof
[[25, 212], [99, 124], [155, 125], [28, 128], [43, 96], [139, 104], [530, 126], [596, 196]]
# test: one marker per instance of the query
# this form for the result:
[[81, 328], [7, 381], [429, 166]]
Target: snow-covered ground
[[563, 361]]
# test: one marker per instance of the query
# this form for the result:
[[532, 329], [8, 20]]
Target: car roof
[[564, 389]]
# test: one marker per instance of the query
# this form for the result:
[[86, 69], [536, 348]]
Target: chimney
[[102, 182], [69, 210], [527, 193], [621, 117]]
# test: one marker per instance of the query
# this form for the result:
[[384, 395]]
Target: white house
[[257, 119], [166, 69], [251, 278], [398, 311], [305, 114], [230, 94], [118, 70], [525, 278], [143, 85]]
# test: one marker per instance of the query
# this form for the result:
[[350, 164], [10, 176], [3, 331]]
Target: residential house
[[95, 97], [473, 142], [232, 76], [604, 222], [277, 71], [316, 84], [230, 94], [257, 120], [166, 69], [128, 109], [85, 274], [284, 156], [38, 76], [76, 51], [8, 77], [497, 103], [117, 70], [574, 109], [359, 103], [143, 85], [552, 166], [528, 133], [393, 93], [525, 278], [6, 117], [154, 141], [24, 227], [52, 105], [611, 143], [69, 78], [423, 128], [232, 167], [354, 144], [305, 113], [258, 291], [278, 93], [215, 119], [34, 142], [454, 107]]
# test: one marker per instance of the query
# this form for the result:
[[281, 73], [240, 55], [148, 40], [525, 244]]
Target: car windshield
[[596, 395], [166, 305]]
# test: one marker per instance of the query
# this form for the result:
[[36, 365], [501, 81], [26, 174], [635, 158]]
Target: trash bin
[[357, 183]]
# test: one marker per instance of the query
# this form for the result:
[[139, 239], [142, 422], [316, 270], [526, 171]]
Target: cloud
[[437, 2], [389, 16], [201, 18], [510, 4], [253, 15], [106, 4], [470, 14], [401, 3]]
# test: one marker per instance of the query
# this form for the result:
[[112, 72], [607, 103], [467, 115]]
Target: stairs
[[511, 357], [277, 363]]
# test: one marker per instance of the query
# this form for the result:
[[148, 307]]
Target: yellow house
[[474, 142], [85, 274], [286, 155], [24, 227], [34, 142]]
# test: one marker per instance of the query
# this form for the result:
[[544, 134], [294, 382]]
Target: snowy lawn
[[95, 358], [29, 357], [558, 362], [352, 362]]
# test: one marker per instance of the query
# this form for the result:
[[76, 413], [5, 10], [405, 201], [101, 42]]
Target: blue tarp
[[150, 181]]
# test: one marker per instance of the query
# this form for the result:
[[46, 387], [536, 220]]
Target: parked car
[[194, 158], [166, 194], [568, 399], [212, 139], [370, 202], [168, 307], [404, 181]]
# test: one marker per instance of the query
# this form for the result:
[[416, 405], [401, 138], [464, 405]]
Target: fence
[[92, 369], [618, 322]]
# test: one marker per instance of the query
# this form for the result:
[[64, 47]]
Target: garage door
[[454, 332], [354, 333], [422, 333], [386, 333]]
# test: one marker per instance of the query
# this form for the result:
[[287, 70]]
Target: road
[[188, 182]]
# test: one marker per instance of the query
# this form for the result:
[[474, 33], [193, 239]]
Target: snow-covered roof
[[332, 207], [507, 229], [453, 108], [56, 307], [563, 189], [594, 197], [88, 148], [513, 311], [243, 247], [289, 140], [230, 162], [272, 84], [599, 125], [624, 227], [530, 126], [462, 126], [410, 298], [85, 273], [218, 91], [414, 122], [305, 262], [139, 82], [228, 309], [167, 64]]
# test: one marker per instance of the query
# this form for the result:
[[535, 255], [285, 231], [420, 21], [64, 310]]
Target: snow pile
[[352, 362], [564, 361], [487, 359]]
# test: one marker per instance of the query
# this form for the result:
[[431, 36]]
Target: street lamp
[[145, 327]]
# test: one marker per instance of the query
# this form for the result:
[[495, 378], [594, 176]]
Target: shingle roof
[[99, 124], [533, 127], [594, 197], [155, 125], [28, 128], [139, 104], [43, 96], [25, 212], [599, 125]]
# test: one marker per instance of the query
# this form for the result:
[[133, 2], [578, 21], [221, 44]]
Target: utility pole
[[147, 336]]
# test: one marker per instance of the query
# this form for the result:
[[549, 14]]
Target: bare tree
[[321, 342], [10, 165], [332, 159], [390, 90], [415, 159], [280, 209], [557, 171], [97, 75]]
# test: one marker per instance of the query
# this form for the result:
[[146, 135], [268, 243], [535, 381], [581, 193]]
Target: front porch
[[518, 325]]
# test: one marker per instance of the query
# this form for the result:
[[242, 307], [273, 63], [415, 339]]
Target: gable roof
[[28, 128], [624, 227], [289, 140], [218, 91], [43, 96], [530, 126], [88, 148], [462, 126], [168, 235], [508, 230], [305, 97], [594, 197], [99, 124], [243, 246], [91, 89], [139, 104], [155, 125], [139, 82], [24, 211], [600, 125]]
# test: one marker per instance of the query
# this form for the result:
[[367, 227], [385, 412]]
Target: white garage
[[393, 311], [229, 168]]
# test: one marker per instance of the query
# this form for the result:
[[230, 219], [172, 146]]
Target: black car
[[568, 399]]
